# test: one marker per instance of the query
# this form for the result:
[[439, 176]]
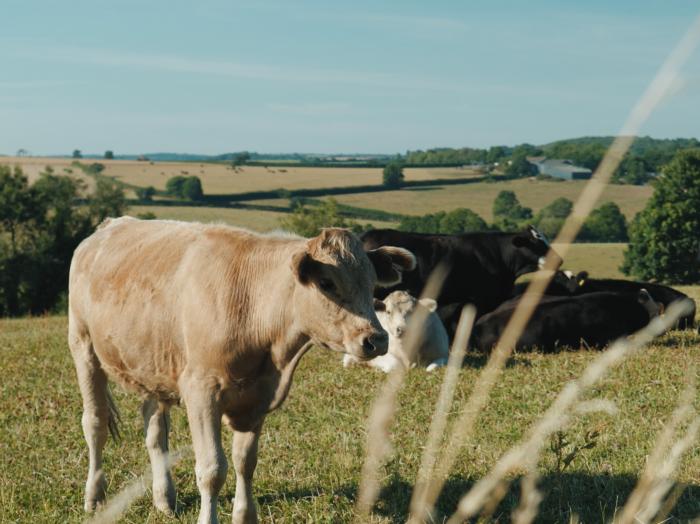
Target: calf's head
[[334, 298], [531, 247], [395, 311]]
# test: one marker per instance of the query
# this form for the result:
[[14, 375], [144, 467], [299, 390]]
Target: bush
[[189, 188], [508, 213], [146, 216], [392, 175], [551, 218], [145, 193], [308, 221], [605, 224], [664, 239], [455, 222]]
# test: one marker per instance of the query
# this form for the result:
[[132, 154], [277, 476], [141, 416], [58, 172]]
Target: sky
[[329, 77]]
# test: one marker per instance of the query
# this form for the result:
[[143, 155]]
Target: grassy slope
[[479, 197], [311, 450]]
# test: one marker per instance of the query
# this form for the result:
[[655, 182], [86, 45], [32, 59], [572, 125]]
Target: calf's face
[[531, 247], [334, 299], [395, 311]]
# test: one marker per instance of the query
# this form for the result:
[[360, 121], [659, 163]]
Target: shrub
[[308, 221], [605, 224], [145, 193], [392, 175]]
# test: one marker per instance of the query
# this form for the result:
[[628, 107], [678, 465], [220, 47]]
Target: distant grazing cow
[[215, 316], [664, 295], [394, 314], [593, 319], [482, 266]]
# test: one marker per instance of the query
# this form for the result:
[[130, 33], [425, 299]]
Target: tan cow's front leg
[[156, 421], [204, 418], [245, 458]]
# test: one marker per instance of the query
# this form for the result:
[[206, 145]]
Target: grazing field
[[33, 166], [256, 220], [311, 450], [479, 197]]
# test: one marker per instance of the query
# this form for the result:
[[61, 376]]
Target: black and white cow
[[482, 266], [593, 320]]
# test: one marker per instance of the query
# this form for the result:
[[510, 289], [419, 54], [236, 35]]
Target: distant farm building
[[559, 168]]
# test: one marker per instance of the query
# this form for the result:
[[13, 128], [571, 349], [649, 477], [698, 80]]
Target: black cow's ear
[[390, 262], [379, 305], [305, 268]]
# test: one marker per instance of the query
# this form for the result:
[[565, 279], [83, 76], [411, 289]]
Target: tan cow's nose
[[375, 344]]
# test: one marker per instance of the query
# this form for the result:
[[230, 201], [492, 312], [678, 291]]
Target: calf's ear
[[379, 305], [428, 303], [390, 262], [305, 268]]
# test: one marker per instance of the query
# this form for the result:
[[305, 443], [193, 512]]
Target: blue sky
[[361, 76]]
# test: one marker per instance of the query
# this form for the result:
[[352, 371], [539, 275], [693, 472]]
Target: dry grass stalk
[[381, 415], [656, 480], [660, 87], [559, 414], [118, 504], [439, 422]]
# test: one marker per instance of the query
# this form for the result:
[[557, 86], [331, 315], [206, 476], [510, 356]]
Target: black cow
[[662, 294], [482, 266], [593, 319], [563, 284]]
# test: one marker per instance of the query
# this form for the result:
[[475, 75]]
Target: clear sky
[[318, 76]]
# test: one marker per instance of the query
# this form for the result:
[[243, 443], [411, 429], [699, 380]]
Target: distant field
[[250, 219], [222, 179], [479, 197], [32, 167], [600, 260]]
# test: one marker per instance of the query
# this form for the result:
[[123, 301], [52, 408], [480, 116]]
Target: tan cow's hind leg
[[245, 458], [156, 422], [204, 419], [93, 388]]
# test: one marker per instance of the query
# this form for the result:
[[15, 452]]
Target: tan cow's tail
[[114, 417]]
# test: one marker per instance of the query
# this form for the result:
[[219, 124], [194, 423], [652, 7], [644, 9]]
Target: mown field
[[311, 450]]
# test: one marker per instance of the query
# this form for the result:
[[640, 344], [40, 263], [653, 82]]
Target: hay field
[[222, 179], [311, 449], [33, 166], [261, 221], [479, 197]]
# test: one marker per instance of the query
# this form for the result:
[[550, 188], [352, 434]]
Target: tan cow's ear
[[390, 262], [305, 268]]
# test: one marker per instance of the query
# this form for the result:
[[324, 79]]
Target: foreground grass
[[311, 450]]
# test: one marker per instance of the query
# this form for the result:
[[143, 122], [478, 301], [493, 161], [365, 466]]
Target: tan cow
[[218, 317]]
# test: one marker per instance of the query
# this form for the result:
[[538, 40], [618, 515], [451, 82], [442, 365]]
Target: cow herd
[[218, 318]]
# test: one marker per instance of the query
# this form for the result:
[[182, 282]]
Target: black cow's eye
[[327, 285]]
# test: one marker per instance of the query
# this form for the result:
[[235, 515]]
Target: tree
[[508, 213], [633, 170], [664, 239], [108, 200], [551, 218], [392, 175], [109, 155], [145, 193], [240, 159], [495, 154], [174, 186], [461, 221], [77, 153], [605, 224], [192, 188], [520, 167], [308, 221]]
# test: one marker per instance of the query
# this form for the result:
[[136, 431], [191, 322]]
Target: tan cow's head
[[334, 301]]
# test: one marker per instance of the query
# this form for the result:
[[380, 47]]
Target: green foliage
[[240, 159], [392, 176], [664, 236], [96, 168], [632, 170], [508, 213], [40, 226], [146, 216], [189, 187], [551, 218], [451, 156], [519, 167], [77, 153], [455, 222], [109, 155], [307, 221], [145, 194], [605, 224]]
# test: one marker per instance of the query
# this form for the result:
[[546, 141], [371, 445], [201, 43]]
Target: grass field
[[479, 197], [311, 450]]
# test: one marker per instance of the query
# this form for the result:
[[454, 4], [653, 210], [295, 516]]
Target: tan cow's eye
[[327, 285]]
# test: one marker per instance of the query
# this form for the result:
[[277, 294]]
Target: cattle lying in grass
[[593, 320], [217, 317], [394, 314], [664, 295], [563, 283], [482, 267]]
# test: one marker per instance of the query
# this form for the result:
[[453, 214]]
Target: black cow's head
[[531, 246]]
